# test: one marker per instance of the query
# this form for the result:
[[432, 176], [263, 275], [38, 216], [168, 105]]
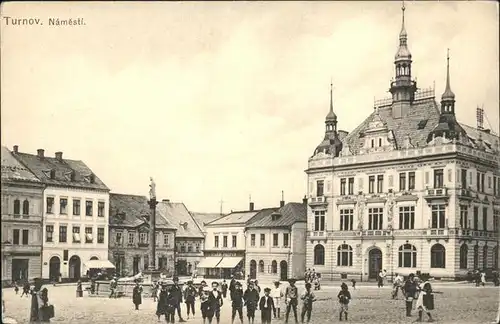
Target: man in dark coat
[[161, 307], [224, 288], [215, 300], [266, 306], [251, 297], [237, 302], [232, 284], [137, 295], [176, 292], [189, 296]]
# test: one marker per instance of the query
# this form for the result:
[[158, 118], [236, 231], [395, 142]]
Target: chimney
[[15, 149], [282, 203], [59, 156], [304, 200], [251, 206], [40, 153]]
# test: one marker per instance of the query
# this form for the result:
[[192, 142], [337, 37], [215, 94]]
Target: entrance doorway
[[54, 268], [283, 270], [181, 267], [253, 269], [374, 263], [20, 269], [135, 265], [74, 267]]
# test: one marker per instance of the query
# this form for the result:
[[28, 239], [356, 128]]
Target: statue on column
[[152, 189], [361, 209], [390, 210]]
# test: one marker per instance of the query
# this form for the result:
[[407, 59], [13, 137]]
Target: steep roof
[[291, 213], [179, 216], [242, 217], [422, 117], [63, 170], [489, 139], [204, 218], [13, 170], [132, 211]]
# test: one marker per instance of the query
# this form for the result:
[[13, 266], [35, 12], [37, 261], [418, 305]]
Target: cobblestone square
[[457, 304]]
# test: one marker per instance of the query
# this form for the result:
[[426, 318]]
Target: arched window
[[485, 257], [319, 255], [344, 256], [495, 257], [261, 266], [438, 256], [274, 267], [476, 256], [407, 256], [26, 207], [464, 253], [17, 207]]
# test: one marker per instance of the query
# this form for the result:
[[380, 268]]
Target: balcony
[[437, 233], [375, 233], [317, 201], [12, 249], [143, 244], [21, 218], [437, 195], [464, 194], [318, 235]]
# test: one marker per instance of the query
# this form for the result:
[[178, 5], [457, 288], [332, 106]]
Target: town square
[[254, 162]]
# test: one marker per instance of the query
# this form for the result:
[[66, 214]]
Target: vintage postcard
[[258, 162]]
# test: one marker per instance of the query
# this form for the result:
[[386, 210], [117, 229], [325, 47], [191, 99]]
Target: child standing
[[16, 288], [353, 284], [308, 298], [237, 302], [344, 297], [276, 294], [266, 304], [425, 301], [170, 307]]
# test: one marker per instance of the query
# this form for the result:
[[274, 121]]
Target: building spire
[[331, 115], [448, 94], [402, 34]]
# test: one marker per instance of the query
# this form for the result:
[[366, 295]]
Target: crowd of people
[[314, 278]]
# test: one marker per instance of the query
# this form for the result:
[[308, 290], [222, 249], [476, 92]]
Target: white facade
[[69, 252], [222, 234]]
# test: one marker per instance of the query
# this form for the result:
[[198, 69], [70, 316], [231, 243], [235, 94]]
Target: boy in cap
[[308, 298], [237, 302], [215, 301], [189, 297], [291, 300], [251, 297], [276, 294], [266, 304], [344, 297], [206, 311]]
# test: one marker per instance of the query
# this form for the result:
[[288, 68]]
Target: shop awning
[[229, 262], [209, 262], [99, 264]]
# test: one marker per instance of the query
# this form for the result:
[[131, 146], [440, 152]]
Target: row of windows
[[275, 241], [465, 222], [17, 207], [224, 241], [272, 268], [376, 218], [407, 182], [407, 256], [20, 237], [63, 207], [76, 237], [464, 257]]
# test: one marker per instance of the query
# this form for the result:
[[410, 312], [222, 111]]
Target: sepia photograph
[[253, 162]]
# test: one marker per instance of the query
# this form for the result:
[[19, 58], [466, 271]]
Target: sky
[[225, 100]]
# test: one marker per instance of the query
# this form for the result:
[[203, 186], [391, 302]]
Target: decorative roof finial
[[402, 34], [448, 94], [331, 115]]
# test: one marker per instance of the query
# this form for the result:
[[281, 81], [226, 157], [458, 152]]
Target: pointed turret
[[402, 88], [331, 143], [448, 127]]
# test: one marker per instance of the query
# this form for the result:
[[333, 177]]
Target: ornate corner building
[[410, 189]]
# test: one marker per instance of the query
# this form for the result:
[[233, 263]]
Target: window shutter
[[328, 186], [426, 183]]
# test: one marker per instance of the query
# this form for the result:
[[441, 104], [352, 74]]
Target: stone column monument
[[151, 273]]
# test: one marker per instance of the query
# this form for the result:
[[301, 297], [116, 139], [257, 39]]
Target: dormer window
[[373, 143], [92, 178], [275, 216], [52, 174]]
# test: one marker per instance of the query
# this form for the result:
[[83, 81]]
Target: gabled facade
[[411, 190], [276, 243], [189, 239], [22, 205], [129, 236], [75, 214]]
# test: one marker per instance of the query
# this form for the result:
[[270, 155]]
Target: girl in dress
[[425, 301]]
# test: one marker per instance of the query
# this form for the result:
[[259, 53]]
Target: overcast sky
[[225, 99]]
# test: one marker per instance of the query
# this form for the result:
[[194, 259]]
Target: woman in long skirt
[[161, 307], [425, 301]]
